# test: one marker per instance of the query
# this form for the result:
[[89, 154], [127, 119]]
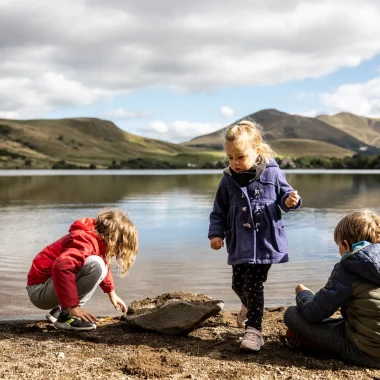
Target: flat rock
[[172, 313]]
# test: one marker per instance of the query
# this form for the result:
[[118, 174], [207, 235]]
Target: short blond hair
[[249, 132], [358, 226], [120, 236]]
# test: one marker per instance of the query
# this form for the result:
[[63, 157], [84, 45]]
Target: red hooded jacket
[[62, 259]]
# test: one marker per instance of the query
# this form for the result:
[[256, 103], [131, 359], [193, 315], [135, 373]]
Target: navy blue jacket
[[354, 286], [249, 218]]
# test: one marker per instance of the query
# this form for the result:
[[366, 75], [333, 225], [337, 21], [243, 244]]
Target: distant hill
[[365, 129], [302, 136], [83, 141], [91, 142]]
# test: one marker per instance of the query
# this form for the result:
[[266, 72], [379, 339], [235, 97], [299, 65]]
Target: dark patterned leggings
[[248, 283]]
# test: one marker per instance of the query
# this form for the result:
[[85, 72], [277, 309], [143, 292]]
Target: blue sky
[[174, 70]]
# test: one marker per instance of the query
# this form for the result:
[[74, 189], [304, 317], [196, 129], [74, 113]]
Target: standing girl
[[66, 273], [247, 215]]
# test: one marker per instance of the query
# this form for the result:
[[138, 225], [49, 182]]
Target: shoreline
[[35, 349]]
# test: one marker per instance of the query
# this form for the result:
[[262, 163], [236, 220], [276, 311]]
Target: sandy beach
[[36, 350]]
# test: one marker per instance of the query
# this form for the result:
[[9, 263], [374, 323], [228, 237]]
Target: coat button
[[242, 195], [244, 208]]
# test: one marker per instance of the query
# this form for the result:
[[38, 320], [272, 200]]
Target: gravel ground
[[35, 350]]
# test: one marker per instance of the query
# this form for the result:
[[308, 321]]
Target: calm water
[[171, 211]]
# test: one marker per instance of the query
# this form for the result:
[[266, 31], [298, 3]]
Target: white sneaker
[[242, 316], [252, 341]]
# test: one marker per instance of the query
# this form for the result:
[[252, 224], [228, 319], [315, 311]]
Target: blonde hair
[[120, 236], [358, 226], [249, 132]]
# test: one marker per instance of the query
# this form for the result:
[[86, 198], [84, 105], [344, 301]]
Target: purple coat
[[249, 218]]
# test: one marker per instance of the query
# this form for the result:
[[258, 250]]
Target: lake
[[170, 210]]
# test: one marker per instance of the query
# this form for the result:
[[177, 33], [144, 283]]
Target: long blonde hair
[[248, 132], [358, 226], [120, 236]]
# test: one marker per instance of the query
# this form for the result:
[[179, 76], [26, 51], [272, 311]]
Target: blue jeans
[[330, 335]]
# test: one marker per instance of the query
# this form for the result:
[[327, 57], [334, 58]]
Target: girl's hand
[[216, 243], [301, 287], [117, 301], [81, 313], [292, 199]]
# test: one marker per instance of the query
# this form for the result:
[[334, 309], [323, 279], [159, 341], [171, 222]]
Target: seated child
[[65, 274], [354, 287]]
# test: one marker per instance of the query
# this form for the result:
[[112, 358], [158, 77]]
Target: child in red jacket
[[65, 274]]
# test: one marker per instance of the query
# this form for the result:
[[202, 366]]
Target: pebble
[[61, 355]]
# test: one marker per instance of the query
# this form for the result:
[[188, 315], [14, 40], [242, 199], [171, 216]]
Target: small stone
[[61, 355]]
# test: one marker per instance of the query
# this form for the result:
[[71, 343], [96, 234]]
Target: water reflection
[[171, 213]]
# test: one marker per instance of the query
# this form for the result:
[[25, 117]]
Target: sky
[[176, 69]]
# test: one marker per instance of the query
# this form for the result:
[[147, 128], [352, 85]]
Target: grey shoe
[[252, 341], [53, 314], [66, 321], [242, 316]]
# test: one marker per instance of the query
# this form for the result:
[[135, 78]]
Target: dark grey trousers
[[330, 335], [88, 277]]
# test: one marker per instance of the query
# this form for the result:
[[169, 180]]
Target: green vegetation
[[88, 143], [6, 153], [354, 162]]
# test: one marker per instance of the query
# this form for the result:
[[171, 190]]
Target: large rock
[[172, 313]]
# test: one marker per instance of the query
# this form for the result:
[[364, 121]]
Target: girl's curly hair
[[120, 236], [249, 132]]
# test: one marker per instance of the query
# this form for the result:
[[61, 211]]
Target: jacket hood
[[271, 164], [366, 263], [85, 224]]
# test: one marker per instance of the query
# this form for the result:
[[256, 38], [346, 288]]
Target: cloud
[[122, 114], [31, 97], [178, 131], [357, 98], [227, 111], [80, 51]]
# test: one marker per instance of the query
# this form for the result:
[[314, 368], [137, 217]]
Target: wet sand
[[35, 350]]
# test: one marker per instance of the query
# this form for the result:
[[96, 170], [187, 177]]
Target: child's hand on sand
[[292, 199], [301, 287], [117, 302], [216, 243], [83, 314]]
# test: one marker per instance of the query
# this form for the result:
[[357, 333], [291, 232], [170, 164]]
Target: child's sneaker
[[295, 340], [252, 341], [242, 316], [53, 314], [66, 321]]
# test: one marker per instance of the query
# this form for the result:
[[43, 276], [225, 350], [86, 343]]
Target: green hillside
[[298, 136], [85, 141], [364, 129]]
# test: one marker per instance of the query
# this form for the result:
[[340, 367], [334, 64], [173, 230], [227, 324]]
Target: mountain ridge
[[92, 141]]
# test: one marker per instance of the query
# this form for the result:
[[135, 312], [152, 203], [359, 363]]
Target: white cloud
[[357, 98], [78, 52], [157, 127], [227, 111], [179, 130], [122, 114], [29, 97]]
